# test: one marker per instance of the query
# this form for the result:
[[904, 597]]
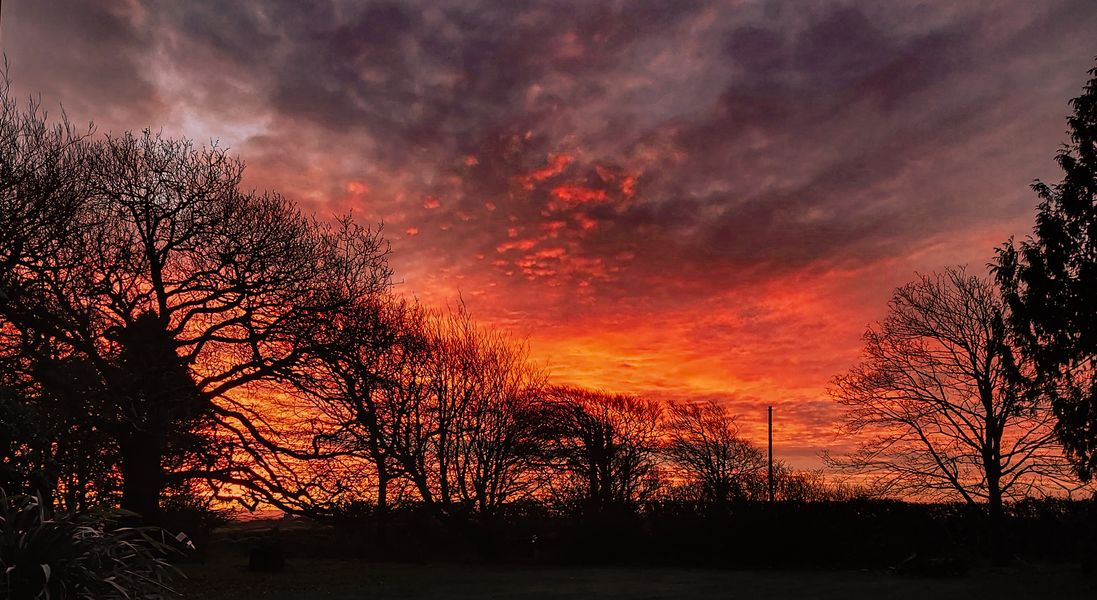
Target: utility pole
[[771, 489]]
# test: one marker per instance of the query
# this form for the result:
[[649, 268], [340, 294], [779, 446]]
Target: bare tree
[[44, 172], [798, 485], [494, 454], [703, 443], [934, 401], [434, 399], [606, 442], [362, 354], [188, 298]]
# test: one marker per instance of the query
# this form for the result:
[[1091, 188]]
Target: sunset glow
[[677, 200]]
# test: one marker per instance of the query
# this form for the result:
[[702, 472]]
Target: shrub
[[80, 556]]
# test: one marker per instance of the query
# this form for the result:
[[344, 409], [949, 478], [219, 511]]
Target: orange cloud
[[357, 188]]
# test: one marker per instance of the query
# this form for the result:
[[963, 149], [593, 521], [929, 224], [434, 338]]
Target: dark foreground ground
[[228, 578]]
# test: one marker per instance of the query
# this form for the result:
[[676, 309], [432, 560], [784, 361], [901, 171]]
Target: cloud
[[698, 198], [90, 56]]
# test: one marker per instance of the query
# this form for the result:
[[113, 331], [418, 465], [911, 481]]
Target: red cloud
[[516, 245], [578, 194], [557, 164]]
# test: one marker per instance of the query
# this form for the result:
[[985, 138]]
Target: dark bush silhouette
[[267, 557], [80, 556]]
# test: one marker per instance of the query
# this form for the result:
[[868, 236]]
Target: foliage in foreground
[[79, 556]]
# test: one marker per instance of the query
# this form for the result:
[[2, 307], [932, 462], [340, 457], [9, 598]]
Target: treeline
[[851, 533], [454, 417]]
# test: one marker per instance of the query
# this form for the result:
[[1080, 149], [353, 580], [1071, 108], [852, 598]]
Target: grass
[[226, 578]]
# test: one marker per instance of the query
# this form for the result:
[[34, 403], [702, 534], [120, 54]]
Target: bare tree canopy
[[606, 443], [936, 395], [703, 443], [139, 259], [432, 400]]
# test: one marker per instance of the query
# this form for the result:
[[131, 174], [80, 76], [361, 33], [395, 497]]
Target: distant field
[[228, 579]]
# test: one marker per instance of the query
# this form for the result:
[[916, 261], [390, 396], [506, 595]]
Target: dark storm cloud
[[815, 128], [761, 137]]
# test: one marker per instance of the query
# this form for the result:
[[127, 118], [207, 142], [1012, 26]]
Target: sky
[[688, 200]]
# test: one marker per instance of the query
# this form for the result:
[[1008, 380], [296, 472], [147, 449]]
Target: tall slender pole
[[771, 454]]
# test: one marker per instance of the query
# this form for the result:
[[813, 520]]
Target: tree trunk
[[44, 489], [998, 546], [382, 491], [382, 513], [142, 476]]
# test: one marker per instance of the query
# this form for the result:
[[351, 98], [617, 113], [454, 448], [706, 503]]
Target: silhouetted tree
[[703, 443], [186, 297], [26, 465], [360, 358], [44, 173], [64, 460], [493, 453], [935, 395], [433, 398], [606, 443], [1050, 284], [411, 419], [798, 485]]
